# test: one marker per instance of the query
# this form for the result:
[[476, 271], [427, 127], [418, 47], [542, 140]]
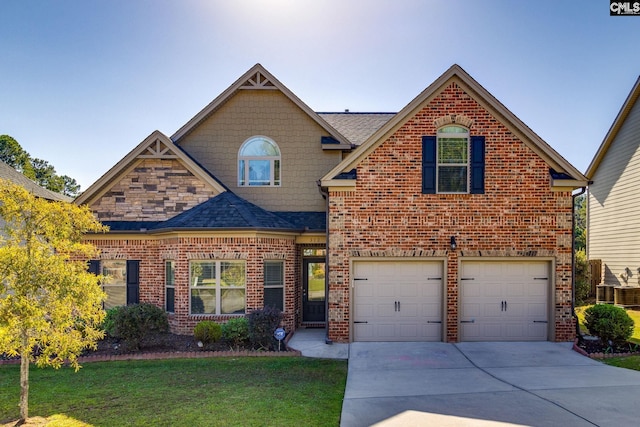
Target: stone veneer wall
[[387, 215], [153, 253], [155, 190]]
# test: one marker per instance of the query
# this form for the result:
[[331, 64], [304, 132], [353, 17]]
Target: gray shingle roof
[[10, 174], [228, 211], [356, 127]]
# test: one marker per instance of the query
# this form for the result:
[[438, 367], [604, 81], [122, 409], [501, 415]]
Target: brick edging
[[601, 355]]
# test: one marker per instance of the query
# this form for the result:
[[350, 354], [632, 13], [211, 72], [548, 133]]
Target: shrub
[[609, 322], [236, 332], [583, 286], [108, 322], [262, 324], [133, 323], [207, 331]]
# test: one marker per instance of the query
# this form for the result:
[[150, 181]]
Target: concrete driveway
[[485, 384]]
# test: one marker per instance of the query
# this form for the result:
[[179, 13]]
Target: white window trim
[[245, 181], [217, 287], [452, 135]]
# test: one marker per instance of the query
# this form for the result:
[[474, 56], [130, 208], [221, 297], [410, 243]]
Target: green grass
[[279, 391], [629, 362]]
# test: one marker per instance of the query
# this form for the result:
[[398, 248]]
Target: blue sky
[[83, 82]]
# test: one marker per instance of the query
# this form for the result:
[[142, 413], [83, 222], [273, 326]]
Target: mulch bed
[[168, 346], [594, 348]]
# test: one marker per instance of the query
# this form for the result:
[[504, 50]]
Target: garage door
[[504, 301], [397, 301]]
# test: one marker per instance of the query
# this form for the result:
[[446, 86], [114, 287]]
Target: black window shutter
[[133, 282], [477, 165], [94, 266], [428, 164]]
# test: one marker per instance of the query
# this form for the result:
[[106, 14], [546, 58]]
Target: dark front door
[[313, 290]]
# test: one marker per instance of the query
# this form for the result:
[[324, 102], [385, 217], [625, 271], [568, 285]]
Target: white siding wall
[[613, 223]]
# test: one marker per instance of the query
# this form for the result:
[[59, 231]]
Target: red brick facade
[[152, 254], [387, 215]]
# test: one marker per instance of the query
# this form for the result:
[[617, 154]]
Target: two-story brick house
[[450, 220]]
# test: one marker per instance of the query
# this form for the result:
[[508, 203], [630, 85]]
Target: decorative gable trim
[[158, 150], [155, 146], [258, 81], [256, 78]]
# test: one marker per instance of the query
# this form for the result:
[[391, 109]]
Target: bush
[[108, 322], [207, 331], [262, 324], [133, 323], [609, 323], [236, 332], [583, 286]]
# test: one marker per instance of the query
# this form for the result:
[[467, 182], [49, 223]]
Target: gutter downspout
[[573, 257], [325, 195]]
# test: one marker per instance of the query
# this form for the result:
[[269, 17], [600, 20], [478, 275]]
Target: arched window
[[453, 160], [259, 162]]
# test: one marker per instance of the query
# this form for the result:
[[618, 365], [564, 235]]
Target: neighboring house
[[10, 174], [448, 221], [613, 223]]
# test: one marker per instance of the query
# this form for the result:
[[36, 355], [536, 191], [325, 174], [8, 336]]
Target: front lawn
[[279, 391]]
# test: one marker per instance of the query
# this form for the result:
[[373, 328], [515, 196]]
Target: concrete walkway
[[477, 384]]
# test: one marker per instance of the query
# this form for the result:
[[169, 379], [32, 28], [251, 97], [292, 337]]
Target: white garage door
[[397, 301], [504, 301]]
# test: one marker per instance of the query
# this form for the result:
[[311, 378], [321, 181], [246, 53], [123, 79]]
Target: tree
[[12, 153], [50, 305], [37, 170]]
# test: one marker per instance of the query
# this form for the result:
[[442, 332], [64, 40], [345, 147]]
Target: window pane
[[170, 300], [452, 129], [259, 147], [274, 297], [203, 273], [452, 150], [203, 301], [116, 296], [259, 172], [170, 273], [274, 273], [314, 252], [276, 172], [232, 274], [241, 177], [232, 301], [116, 270], [452, 179]]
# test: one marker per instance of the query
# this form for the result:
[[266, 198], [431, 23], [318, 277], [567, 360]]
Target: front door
[[313, 290]]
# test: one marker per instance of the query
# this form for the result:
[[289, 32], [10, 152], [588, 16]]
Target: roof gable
[[155, 146], [628, 104], [485, 99], [257, 78]]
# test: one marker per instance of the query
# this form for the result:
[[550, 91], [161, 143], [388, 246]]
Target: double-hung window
[[274, 284], [169, 285], [217, 287], [259, 162], [453, 162]]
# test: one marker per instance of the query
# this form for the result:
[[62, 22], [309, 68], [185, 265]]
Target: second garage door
[[397, 301], [504, 301]]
